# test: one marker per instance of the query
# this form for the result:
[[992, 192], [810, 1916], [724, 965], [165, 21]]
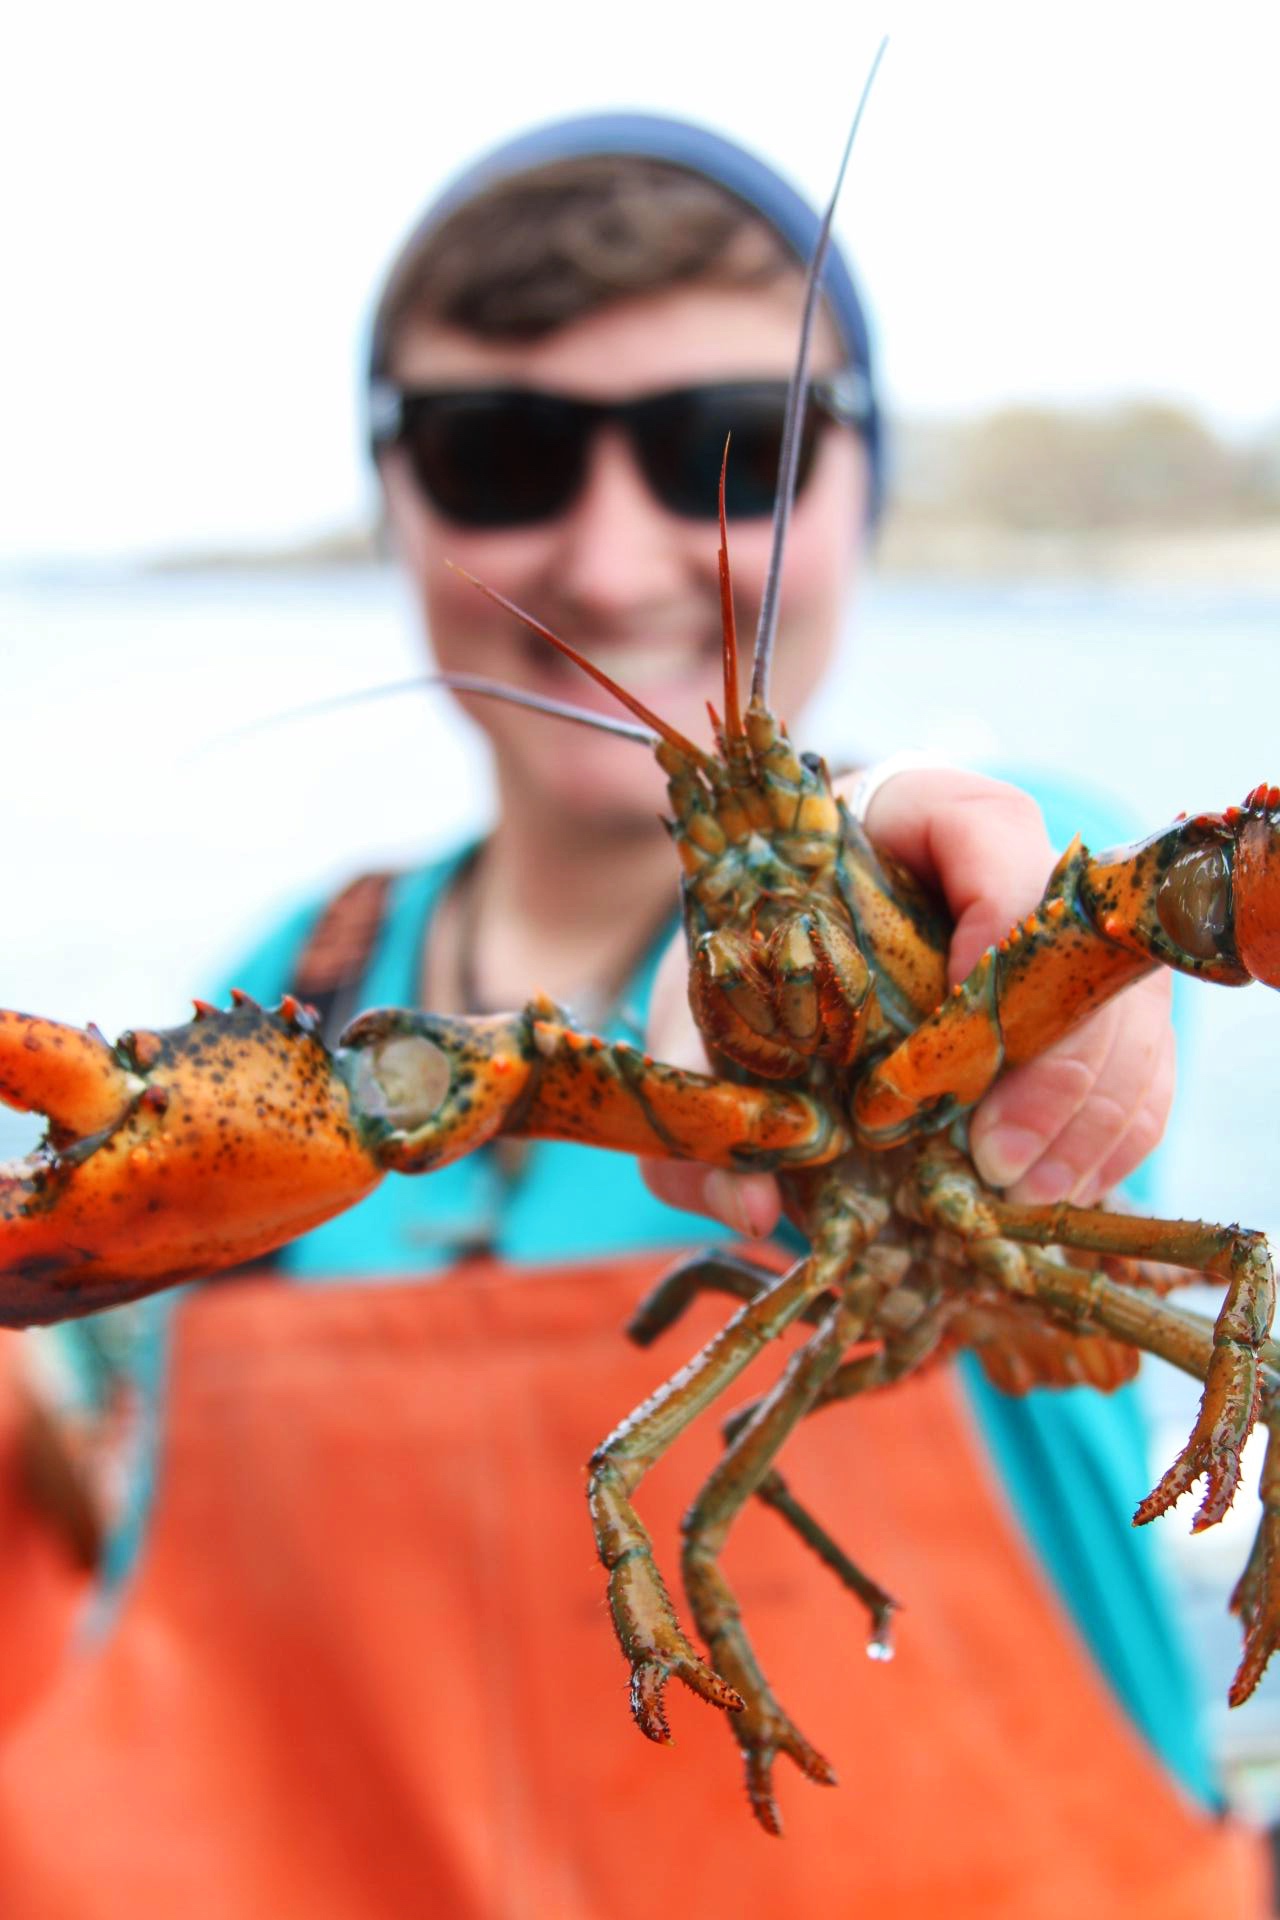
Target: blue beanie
[[680, 143]]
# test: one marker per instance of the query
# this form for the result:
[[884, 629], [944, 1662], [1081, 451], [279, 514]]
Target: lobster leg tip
[[648, 1683]]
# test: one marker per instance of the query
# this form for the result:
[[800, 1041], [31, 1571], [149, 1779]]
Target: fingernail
[[1004, 1154], [727, 1201], [746, 1202]]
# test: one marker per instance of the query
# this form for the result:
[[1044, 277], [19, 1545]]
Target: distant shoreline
[[911, 545], [1245, 556], [1138, 491]]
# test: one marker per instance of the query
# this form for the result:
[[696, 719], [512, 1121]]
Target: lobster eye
[[403, 1080], [1194, 901]]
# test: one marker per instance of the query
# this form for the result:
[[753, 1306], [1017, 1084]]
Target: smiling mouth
[[636, 662]]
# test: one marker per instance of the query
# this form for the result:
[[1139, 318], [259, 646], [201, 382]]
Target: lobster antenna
[[733, 728], [460, 683], [598, 674], [789, 458], [539, 703]]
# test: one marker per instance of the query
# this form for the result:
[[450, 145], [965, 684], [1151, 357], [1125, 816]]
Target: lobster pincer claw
[[169, 1155], [173, 1154]]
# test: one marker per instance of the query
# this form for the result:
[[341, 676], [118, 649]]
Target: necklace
[[598, 1005], [594, 1003]]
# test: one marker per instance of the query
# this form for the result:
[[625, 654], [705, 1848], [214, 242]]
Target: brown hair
[[547, 246]]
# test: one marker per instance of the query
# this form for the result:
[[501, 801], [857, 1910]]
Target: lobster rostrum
[[818, 979]]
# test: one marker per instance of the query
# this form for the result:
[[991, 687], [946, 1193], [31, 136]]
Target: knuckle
[[1141, 1138], [1042, 1095], [1145, 1135], [668, 1182], [1014, 810], [1101, 1122], [1090, 1141]]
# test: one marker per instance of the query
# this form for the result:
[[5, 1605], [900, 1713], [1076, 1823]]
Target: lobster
[[818, 978]]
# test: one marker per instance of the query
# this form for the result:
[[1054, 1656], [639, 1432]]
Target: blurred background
[[1065, 224]]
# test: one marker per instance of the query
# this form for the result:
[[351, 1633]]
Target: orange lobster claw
[[1257, 886], [169, 1155], [174, 1154]]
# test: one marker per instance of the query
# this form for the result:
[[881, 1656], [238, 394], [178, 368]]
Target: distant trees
[[1143, 464]]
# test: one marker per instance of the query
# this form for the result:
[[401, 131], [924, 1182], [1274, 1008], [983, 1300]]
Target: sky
[[1047, 202]]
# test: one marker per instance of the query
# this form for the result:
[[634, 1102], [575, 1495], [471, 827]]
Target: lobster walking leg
[[891, 1361], [774, 1492], [893, 1358], [714, 1271], [951, 1196], [1232, 1379], [1186, 1341], [1256, 1599], [1232, 1356], [644, 1617], [763, 1729]]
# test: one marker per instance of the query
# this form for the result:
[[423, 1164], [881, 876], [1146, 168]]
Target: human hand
[[1067, 1126]]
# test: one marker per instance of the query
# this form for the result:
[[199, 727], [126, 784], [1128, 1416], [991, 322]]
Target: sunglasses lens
[[495, 459], [514, 458], [681, 439]]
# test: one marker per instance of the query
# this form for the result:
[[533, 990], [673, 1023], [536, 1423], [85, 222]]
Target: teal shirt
[[564, 1203], [1072, 1464]]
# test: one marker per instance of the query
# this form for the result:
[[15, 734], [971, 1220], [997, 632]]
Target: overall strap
[[328, 974], [330, 970]]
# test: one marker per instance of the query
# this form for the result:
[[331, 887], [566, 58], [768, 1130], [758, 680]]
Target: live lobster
[[818, 980]]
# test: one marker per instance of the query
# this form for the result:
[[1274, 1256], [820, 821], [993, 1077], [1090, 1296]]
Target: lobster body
[[817, 975]]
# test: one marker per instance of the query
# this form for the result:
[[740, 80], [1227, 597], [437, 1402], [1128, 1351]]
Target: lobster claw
[[174, 1154], [170, 1155], [1257, 886]]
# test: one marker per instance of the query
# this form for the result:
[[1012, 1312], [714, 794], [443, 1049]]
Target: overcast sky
[[1052, 202]]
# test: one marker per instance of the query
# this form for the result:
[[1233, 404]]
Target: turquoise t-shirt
[[1072, 1463], [563, 1202]]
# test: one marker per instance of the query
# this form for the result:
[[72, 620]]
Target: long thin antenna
[[538, 703], [796, 395], [460, 683], [733, 729], [598, 674]]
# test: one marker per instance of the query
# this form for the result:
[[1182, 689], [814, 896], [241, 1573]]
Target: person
[[358, 1661]]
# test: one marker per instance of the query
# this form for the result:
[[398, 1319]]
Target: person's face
[[623, 579]]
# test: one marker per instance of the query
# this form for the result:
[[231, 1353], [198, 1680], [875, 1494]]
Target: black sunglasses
[[515, 456]]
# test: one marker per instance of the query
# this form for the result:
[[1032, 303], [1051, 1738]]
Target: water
[[141, 854]]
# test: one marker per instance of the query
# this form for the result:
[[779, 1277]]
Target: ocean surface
[[144, 844]]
